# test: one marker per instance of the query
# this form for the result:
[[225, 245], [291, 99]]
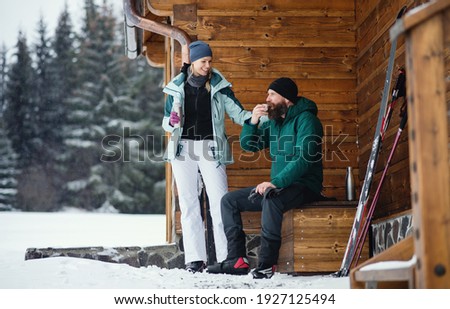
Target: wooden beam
[[170, 204], [256, 5], [173, 65], [428, 137], [183, 15]]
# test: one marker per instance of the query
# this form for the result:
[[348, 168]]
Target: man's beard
[[276, 112]]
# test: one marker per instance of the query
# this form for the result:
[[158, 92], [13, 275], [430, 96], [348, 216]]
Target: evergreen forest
[[80, 122]]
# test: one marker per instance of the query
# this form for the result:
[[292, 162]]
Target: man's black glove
[[269, 193]]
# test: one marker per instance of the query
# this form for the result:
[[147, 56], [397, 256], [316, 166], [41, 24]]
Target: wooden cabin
[[337, 52]]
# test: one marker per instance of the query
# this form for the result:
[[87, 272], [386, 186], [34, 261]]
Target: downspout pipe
[[133, 40], [134, 18]]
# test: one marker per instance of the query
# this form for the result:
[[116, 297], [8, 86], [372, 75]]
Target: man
[[293, 135]]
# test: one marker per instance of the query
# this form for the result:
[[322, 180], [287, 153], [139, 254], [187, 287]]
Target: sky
[[24, 15]]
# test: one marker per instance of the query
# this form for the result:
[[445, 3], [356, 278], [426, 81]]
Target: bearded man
[[293, 135]]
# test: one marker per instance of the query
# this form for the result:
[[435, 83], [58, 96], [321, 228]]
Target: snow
[[74, 283], [6, 191], [21, 230], [391, 265]]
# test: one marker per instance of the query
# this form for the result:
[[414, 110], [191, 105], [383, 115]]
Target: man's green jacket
[[295, 145]]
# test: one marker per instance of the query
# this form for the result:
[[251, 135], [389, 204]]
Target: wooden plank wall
[[374, 19], [447, 79], [255, 41]]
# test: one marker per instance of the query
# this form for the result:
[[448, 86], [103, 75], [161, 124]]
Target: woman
[[195, 116]]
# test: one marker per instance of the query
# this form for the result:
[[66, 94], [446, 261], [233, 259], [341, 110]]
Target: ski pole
[[360, 241], [398, 92]]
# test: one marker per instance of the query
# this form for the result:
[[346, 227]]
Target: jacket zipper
[[196, 112]]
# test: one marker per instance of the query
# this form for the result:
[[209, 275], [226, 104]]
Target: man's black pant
[[272, 208]]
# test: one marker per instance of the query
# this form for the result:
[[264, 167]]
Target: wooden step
[[393, 268]]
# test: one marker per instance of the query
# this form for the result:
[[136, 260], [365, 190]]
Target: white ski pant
[[194, 156]]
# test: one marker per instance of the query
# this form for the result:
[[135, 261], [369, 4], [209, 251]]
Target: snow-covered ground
[[81, 283], [20, 230]]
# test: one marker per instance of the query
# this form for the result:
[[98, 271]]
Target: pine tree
[[61, 111], [91, 106], [117, 99], [64, 62], [135, 179], [40, 187], [19, 116], [8, 173], [8, 182], [138, 123], [48, 114], [3, 73], [20, 101]]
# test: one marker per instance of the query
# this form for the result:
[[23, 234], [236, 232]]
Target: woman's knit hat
[[198, 50], [285, 87]]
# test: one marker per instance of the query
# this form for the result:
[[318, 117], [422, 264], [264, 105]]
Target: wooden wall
[[336, 51], [374, 18], [255, 42]]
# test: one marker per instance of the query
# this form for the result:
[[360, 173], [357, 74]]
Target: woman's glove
[[174, 119], [184, 68]]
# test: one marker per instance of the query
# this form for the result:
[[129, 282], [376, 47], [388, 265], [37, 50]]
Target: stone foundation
[[165, 256], [390, 232]]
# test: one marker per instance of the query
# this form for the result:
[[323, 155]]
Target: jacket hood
[[302, 105]]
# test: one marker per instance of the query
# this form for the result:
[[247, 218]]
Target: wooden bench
[[314, 236]]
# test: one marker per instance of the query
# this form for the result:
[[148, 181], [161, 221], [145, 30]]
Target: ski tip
[[340, 273], [336, 274]]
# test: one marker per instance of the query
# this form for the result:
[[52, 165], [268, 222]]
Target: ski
[[399, 91], [364, 196]]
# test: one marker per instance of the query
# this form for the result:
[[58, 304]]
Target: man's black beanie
[[285, 87]]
